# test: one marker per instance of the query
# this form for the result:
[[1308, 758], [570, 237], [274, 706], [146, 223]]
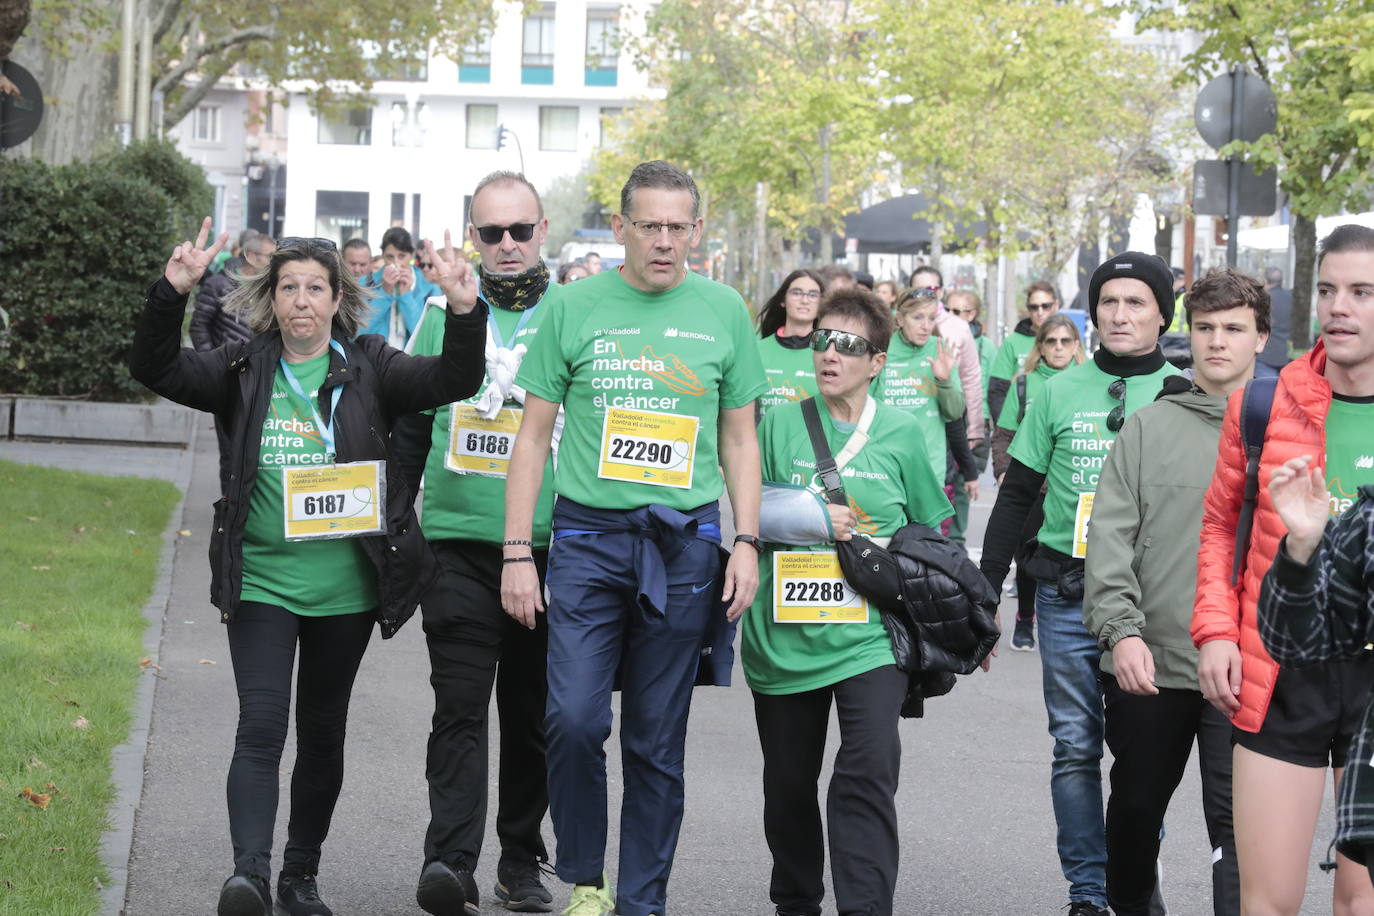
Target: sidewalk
[[974, 807]]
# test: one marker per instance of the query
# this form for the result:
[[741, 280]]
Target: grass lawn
[[78, 555]]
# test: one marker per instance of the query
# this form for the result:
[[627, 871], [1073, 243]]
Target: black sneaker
[[1023, 637], [300, 896], [445, 891], [1087, 908], [245, 895], [519, 888]]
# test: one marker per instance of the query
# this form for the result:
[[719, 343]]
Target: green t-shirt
[[465, 490], [1011, 357], [1011, 407], [907, 382], [986, 352], [791, 373], [312, 578], [1064, 435], [1349, 452], [889, 483], [642, 378]]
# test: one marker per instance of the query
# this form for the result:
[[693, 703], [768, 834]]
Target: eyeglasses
[[961, 313], [845, 343], [296, 241], [647, 230], [492, 235], [1060, 341], [1117, 391], [811, 294], [925, 292], [1040, 306]]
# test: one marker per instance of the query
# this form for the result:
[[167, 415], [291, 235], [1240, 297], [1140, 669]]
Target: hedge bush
[[79, 245]]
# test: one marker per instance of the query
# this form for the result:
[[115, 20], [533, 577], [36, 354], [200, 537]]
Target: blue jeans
[[1069, 659]]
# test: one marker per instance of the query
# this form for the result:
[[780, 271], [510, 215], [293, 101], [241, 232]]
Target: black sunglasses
[[519, 232], [1117, 391], [845, 342], [296, 241]]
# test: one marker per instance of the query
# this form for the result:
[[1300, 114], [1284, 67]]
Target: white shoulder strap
[[859, 438]]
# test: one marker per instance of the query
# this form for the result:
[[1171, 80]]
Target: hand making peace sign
[[189, 259], [454, 274]]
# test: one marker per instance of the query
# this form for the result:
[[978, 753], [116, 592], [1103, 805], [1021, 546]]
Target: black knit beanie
[[1150, 269]]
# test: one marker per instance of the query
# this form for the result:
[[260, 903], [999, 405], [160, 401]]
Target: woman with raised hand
[[315, 538]]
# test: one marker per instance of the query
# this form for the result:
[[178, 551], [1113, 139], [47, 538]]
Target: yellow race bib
[[333, 500], [808, 587], [1081, 519], [477, 445], [644, 446]]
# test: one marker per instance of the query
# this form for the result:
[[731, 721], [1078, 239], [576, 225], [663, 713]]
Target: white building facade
[[533, 96]]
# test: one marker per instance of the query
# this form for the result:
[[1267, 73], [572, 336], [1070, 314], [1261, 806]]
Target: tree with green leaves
[[339, 47], [1314, 55]]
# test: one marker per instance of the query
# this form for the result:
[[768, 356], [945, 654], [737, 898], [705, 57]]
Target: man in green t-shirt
[[463, 451], [1062, 443], [657, 370]]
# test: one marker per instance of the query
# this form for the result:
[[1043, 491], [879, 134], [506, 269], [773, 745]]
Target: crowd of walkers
[[1193, 549]]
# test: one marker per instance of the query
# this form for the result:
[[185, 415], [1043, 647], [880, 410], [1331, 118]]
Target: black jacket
[[380, 384], [211, 325]]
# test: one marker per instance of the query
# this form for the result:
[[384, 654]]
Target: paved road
[[978, 835]]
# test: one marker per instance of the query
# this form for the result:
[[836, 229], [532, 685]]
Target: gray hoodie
[[1141, 568]]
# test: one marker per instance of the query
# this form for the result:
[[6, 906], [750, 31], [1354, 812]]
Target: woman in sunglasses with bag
[[810, 641], [315, 538]]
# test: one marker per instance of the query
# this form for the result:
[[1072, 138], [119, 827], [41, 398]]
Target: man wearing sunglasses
[[1138, 602], [402, 290], [464, 450], [657, 370], [1063, 442]]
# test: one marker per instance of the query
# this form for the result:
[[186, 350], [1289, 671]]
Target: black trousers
[[1151, 738], [473, 643], [262, 646], [1025, 582], [860, 807]]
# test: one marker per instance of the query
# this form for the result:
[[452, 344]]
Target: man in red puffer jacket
[[1290, 723]]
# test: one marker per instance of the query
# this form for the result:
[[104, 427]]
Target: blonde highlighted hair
[[252, 300]]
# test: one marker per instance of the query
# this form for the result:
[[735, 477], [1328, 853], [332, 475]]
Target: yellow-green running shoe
[[591, 901]]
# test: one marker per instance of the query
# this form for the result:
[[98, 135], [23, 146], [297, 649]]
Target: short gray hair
[[247, 236], [1273, 275], [504, 177], [662, 175], [252, 300]]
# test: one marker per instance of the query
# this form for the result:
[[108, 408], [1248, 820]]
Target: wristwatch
[[750, 540]]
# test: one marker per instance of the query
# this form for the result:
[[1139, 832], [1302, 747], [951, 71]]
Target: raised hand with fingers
[[190, 259], [943, 362], [454, 274], [1298, 489]]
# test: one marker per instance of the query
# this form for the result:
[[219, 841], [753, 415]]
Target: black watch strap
[[750, 540]]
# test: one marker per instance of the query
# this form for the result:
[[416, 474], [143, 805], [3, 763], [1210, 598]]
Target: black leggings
[[262, 644]]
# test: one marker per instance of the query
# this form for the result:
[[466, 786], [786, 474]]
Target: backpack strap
[[1256, 403], [1020, 398], [825, 462]]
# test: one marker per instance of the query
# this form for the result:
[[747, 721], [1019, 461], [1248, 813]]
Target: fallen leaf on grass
[[208, 661], [32, 518], [24, 626], [146, 662], [51, 786], [81, 722], [57, 849], [39, 799], [184, 532], [40, 568], [34, 763]]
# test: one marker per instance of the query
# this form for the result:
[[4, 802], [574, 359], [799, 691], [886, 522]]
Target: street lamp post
[[502, 132]]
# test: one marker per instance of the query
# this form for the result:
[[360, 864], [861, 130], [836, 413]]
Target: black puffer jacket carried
[[211, 326], [380, 384]]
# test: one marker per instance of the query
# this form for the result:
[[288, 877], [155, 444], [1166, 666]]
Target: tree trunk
[[826, 223], [760, 242], [1303, 239], [78, 120], [732, 235]]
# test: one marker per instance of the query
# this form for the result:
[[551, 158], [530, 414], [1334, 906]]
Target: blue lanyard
[[509, 343], [326, 431]]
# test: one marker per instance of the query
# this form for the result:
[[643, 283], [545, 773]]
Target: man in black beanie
[[1063, 442]]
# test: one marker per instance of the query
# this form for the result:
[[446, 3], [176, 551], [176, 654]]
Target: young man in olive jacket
[[1138, 601]]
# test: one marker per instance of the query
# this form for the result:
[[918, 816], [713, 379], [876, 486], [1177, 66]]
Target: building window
[[409, 123], [481, 133], [341, 215], [536, 62], [205, 125], [603, 47], [351, 128], [557, 128], [475, 64], [608, 117]]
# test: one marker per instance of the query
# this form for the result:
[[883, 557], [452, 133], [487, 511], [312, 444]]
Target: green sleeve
[[949, 397], [1034, 442], [1111, 601], [545, 371], [1010, 408], [1004, 363], [926, 502], [744, 380]]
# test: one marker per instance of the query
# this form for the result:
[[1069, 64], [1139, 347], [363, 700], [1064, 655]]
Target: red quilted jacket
[[1297, 426]]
